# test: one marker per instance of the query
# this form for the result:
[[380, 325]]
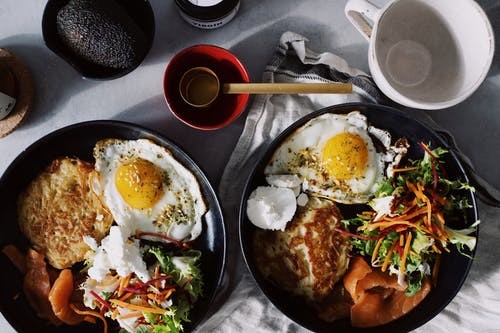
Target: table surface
[[64, 98]]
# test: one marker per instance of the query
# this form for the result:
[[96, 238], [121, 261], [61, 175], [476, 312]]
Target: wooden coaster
[[25, 96]]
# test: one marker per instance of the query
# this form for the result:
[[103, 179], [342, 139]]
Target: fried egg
[[335, 157], [147, 190]]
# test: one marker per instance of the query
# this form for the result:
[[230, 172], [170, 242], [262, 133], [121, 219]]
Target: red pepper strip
[[141, 288], [139, 291], [154, 234], [433, 161], [434, 173], [427, 150], [345, 232], [187, 282], [100, 300], [146, 284]]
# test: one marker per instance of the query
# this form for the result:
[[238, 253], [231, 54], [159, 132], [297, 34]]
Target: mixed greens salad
[[160, 305], [409, 226]]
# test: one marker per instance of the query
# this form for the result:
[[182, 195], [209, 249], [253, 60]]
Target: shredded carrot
[[168, 293], [440, 218], [375, 250], [114, 314], [157, 271], [383, 225], [90, 313], [401, 240], [126, 296], [405, 253], [435, 248], [130, 315], [410, 206], [137, 307], [414, 253], [389, 255], [123, 283], [405, 169], [408, 216]]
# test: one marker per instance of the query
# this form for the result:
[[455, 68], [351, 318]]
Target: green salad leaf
[[425, 201]]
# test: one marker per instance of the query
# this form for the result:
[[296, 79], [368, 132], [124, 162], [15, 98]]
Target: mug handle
[[360, 13]]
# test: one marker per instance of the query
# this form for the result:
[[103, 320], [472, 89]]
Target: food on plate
[[309, 256], [101, 32], [59, 208], [159, 304], [147, 189], [141, 271], [410, 224], [378, 297], [380, 262], [36, 286], [336, 157], [59, 298], [271, 207]]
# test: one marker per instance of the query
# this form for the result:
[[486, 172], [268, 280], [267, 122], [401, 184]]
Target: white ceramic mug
[[425, 54]]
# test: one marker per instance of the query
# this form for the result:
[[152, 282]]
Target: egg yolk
[[345, 156], [140, 183]]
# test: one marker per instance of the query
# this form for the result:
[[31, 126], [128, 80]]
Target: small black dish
[[454, 266], [140, 12], [78, 141]]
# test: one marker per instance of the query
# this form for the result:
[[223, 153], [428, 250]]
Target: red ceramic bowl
[[226, 108]]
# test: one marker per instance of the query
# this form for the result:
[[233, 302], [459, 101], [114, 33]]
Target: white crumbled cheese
[[119, 253], [296, 190], [271, 207], [288, 181], [383, 206], [99, 217], [305, 185], [302, 199]]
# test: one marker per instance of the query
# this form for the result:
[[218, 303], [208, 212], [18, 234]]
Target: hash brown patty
[[59, 208], [309, 257]]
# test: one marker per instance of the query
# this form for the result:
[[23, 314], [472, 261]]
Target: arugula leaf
[[385, 188], [184, 269]]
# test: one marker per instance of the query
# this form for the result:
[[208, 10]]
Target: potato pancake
[[309, 257], [59, 208]]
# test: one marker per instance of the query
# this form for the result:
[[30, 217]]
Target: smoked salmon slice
[[378, 298], [59, 298], [36, 286], [358, 269]]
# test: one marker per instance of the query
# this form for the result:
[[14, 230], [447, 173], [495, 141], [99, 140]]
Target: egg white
[[178, 212], [300, 154]]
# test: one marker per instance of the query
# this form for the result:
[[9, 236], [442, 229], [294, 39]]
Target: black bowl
[[454, 266], [78, 140], [140, 12]]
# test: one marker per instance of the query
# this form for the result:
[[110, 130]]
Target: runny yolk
[[140, 183], [345, 156]]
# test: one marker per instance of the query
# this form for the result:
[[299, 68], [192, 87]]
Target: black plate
[[454, 267], [140, 12], [78, 140]]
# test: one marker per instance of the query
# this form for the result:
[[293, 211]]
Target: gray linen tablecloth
[[477, 306]]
